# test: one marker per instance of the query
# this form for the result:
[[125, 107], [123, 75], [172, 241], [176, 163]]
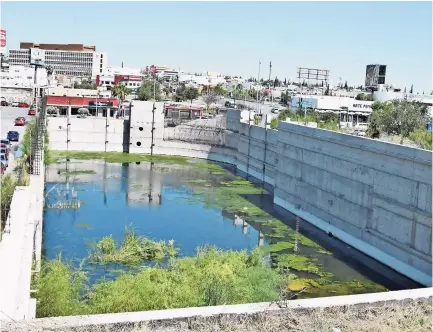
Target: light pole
[[258, 82]]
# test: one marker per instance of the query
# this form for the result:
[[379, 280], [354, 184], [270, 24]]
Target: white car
[[14, 104], [275, 110]]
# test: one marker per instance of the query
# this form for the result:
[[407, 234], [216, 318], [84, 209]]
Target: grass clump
[[134, 249], [77, 172], [117, 157], [212, 277]]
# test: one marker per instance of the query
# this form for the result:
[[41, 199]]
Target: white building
[[22, 76], [68, 63]]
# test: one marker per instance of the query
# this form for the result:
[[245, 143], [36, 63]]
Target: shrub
[[212, 277]]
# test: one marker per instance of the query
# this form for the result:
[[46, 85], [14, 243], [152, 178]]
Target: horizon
[[225, 37]]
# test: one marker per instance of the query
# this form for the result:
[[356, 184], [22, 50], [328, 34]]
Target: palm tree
[[120, 91]]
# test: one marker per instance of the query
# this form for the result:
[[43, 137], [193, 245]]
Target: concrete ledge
[[240, 309]]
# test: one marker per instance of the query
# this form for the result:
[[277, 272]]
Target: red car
[[31, 112], [23, 105], [20, 121], [2, 168]]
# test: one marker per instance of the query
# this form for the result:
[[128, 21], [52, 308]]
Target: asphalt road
[[265, 108], [7, 117]]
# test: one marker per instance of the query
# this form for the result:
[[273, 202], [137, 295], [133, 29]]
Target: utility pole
[[258, 82], [269, 79]]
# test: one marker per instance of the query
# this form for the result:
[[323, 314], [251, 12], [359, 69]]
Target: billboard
[[374, 75], [37, 57], [2, 40]]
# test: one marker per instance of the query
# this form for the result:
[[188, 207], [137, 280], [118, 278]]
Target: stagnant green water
[[195, 203]]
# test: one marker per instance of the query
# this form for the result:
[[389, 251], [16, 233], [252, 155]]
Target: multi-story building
[[72, 60]]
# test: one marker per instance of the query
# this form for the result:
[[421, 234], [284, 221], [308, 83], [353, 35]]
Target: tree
[[399, 117], [345, 85], [411, 89], [285, 98], [120, 91], [220, 91], [404, 89], [359, 96], [49, 69], [84, 85], [285, 82], [210, 99], [274, 123], [276, 82], [190, 93], [149, 89]]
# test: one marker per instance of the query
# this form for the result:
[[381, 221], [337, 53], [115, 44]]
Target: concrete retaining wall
[[19, 247], [373, 195], [89, 134]]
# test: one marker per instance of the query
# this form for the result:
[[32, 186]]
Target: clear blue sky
[[231, 37]]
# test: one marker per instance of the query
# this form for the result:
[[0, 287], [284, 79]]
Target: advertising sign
[[2, 41], [101, 103], [37, 57], [2, 38]]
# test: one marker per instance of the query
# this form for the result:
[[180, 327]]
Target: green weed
[[212, 277], [133, 250]]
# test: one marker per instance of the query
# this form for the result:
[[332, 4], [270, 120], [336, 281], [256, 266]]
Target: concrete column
[[69, 111]]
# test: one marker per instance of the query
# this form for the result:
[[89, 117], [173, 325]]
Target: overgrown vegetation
[[400, 118], [324, 121], [77, 172], [117, 157], [7, 190], [212, 277], [134, 249]]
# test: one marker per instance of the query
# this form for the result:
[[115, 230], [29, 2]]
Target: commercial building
[[350, 111], [72, 60], [98, 102]]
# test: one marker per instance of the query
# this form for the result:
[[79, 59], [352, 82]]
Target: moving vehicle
[[3, 159], [31, 111], [20, 121], [23, 105], [13, 136], [4, 103]]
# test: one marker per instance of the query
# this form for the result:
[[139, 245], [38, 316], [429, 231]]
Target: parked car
[[3, 159], [31, 111], [6, 142], [15, 104], [4, 103], [5, 151], [4, 146], [2, 168], [23, 105], [13, 136], [20, 121]]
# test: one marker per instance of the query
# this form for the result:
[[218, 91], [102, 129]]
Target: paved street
[[7, 117]]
